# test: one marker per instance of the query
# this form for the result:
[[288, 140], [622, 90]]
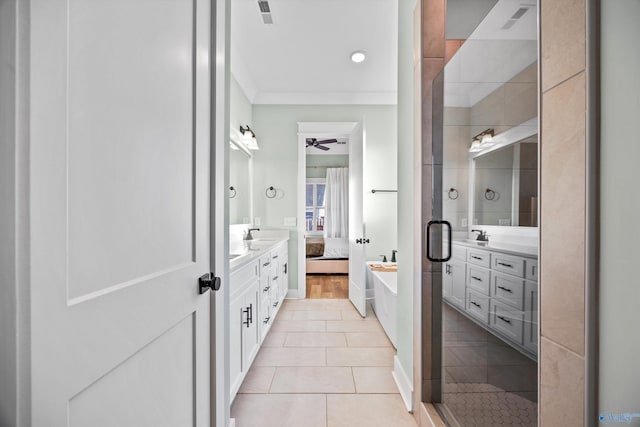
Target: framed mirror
[[240, 184], [505, 185]]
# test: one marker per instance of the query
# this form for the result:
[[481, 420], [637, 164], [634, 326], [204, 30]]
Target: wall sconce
[[249, 138], [481, 141]]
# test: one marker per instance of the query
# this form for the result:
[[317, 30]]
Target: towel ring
[[489, 194], [232, 192], [270, 192], [453, 193]]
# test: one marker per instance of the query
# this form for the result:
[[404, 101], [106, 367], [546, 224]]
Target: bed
[[327, 255]]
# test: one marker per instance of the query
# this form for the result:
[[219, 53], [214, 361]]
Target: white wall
[[406, 189], [619, 376], [276, 164], [240, 108]]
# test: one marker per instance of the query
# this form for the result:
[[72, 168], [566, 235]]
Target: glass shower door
[[485, 196]]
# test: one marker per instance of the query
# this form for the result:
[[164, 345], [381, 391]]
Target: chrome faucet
[[249, 236], [393, 255], [482, 235]]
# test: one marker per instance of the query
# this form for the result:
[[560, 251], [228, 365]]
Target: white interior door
[[357, 257], [119, 195]]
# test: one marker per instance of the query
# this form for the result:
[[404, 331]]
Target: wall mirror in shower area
[[505, 185], [488, 127]]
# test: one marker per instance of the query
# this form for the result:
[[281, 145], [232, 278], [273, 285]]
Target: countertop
[[505, 248], [252, 249]]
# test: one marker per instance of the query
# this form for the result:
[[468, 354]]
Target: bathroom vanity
[[496, 286], [259, 281]]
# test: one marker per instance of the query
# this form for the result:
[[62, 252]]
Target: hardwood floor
[[327, 286]]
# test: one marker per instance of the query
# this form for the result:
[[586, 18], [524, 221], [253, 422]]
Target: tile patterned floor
[[487, 383], [322, 365]]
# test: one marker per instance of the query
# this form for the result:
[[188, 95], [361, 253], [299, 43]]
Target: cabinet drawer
[[478, 306], [459, 252], [265, 263], [508, 289], [265, 285], [508, 264], [265, 309], [478, 279], [481, 258], [243, 277], [507, 320], [531, 272]]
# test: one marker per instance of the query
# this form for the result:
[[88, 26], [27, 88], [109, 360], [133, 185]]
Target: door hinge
[[208, 281]]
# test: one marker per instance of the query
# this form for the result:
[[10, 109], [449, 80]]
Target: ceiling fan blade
[[328, 141], [310, 141], [322, 147]]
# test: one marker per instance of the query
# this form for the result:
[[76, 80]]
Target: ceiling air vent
[[265, 11], [514, 18]]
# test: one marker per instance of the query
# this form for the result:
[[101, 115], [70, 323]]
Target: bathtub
[[385, 295]]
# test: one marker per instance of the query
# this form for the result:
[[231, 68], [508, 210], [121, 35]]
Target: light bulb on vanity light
[[358, 56]]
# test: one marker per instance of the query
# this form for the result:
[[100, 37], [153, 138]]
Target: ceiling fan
[[313, 142]]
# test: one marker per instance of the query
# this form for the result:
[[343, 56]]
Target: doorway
[[331, 240]]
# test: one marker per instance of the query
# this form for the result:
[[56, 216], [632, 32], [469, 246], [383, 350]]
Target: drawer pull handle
[[275, 304], [275, 278], [505, 289], [505, 264], [266, 320], [246, 322], [504, 319], [274, 257], [476, 304], [476, 257], [266, 289], [266, 264], [476, 278]]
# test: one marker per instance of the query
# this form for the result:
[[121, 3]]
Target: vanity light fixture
[[249, 138], [481, 141], [358, 56]]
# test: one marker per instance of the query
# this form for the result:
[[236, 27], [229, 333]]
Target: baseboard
[[404, 384], [232, 422], [293, 294]]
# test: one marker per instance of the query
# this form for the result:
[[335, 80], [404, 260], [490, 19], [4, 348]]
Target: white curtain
[[336, 203]]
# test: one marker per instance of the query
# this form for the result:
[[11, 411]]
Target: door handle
[[250, 313], [208, 281], [428, 239]]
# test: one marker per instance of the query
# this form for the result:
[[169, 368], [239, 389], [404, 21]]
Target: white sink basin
[[477, 242]]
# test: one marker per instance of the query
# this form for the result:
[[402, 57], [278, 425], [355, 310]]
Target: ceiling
[[304, 56], [492, 55]]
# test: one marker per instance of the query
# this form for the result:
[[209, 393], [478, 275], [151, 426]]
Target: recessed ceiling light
[[358, 56]]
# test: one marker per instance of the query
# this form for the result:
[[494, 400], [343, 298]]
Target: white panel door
[[357, 258], [119, 195]]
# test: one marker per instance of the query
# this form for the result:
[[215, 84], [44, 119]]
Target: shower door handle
[[428, 237]]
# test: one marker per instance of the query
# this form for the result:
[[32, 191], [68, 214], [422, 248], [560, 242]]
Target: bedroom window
[[314, 215]]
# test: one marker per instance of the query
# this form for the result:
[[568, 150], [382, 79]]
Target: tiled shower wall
[[562, 204]]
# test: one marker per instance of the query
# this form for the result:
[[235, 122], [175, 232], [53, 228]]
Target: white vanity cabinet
[[454, 279], [498, 290], [258, 288], [284, 269], [244, 338]]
